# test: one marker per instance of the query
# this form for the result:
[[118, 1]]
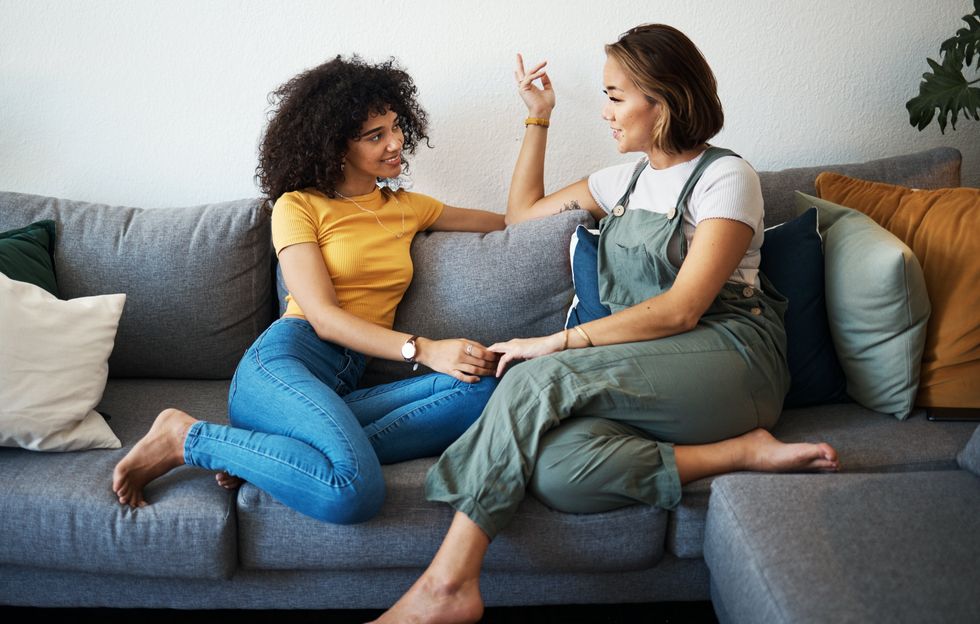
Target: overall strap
[[710, 155], [624, 201]]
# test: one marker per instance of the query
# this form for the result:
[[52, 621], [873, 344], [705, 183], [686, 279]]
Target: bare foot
[[765, 453], [431, 602], [228, 481], [160, 451]]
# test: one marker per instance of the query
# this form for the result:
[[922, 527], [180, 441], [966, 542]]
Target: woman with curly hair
[[300, 430]]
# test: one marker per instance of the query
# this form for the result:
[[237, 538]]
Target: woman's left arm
[[716, 251], [467, 220]]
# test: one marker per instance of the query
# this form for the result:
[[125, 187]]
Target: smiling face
[[375, 153], [630, 114]]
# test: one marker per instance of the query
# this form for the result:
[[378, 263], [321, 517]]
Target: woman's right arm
[[527, 199], [309, 283]]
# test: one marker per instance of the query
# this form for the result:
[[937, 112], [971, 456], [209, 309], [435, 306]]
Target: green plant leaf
[[966, 41], [945, 89]]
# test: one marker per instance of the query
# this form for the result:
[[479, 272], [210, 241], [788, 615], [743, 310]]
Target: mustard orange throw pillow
[[942, 227]]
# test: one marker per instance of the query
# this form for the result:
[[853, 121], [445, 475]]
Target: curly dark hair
[[314, 114]]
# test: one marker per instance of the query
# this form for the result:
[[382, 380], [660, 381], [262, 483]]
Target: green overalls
[[624, 405]]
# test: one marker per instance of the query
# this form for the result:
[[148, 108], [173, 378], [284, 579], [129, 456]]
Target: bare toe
[[228, 481]]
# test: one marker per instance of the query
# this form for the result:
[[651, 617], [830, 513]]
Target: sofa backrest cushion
[[931, 169], [197, 279], [512, 283]]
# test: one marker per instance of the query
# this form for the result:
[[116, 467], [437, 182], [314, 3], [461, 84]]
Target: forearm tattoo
[[572, 205]]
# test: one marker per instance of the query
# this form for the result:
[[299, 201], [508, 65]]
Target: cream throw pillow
[[53, 367]]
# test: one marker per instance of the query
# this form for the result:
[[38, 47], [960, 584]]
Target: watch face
[[408, 350]]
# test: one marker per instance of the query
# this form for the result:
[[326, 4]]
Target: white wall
[[162, 103]]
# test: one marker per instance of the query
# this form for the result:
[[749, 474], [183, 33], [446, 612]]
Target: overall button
[[618, 211], [756, 310], [671, 213], [747, 292]]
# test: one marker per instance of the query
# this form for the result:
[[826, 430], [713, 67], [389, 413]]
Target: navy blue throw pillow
[[585, 275], [792, 259]]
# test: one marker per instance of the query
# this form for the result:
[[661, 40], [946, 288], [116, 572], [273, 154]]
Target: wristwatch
[[409, 351]]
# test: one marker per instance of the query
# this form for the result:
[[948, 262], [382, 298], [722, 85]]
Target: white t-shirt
[[728, 189]]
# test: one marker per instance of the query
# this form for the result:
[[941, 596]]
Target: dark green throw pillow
[[27, 255]]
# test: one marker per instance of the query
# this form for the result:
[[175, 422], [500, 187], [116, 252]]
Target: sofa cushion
[[845, 548], [931, 169], [877, 306], [941, 227], [513, 283], [58, 510], [198, 280], [792, 259], [969, 457], [866, 441], [53, 367], [27, 255], [409, 529]]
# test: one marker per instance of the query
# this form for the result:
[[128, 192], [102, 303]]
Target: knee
[[351, 505], [577, 462], [551, 485]]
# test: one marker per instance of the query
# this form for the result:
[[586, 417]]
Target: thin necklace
[[374, 213]]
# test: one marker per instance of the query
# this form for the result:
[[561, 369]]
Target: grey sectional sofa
[[200, 284]]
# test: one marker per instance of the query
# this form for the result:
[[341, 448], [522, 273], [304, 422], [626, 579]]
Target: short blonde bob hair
[[670, 70]]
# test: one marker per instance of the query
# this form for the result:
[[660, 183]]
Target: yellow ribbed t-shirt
[[369, 266]]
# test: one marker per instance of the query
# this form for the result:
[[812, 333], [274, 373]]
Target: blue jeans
[[301, 432]]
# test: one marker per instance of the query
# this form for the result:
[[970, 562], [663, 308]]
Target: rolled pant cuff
[[669, 486], [472, 510], [190, 441]]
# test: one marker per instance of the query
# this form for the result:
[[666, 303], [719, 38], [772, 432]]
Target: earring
[[342, 165]]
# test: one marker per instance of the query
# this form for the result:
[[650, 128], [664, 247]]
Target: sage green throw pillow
[[877, 307], [27, 255]]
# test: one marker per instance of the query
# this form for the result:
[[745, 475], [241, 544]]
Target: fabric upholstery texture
[[27, 255], [942, 227], [877, 306], [198, 280], [53, 367], [57, 510], [672, 579], [792, 259], [935, 168], [513, 283], [845, 547], [865, 441], [969, 457], [409, 530]]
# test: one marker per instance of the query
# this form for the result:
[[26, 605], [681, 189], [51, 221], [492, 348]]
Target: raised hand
[[527, 349], [539, 100], [466, 360]]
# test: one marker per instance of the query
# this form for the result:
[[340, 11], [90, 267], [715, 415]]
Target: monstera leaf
[[945, 89]]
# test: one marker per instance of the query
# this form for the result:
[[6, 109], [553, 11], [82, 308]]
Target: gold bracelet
[[564, 342], [536, 121], [582, 333]]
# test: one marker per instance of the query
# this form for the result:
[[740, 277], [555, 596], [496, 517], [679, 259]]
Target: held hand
[[539, 100], [526, 349], [466, 360]]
